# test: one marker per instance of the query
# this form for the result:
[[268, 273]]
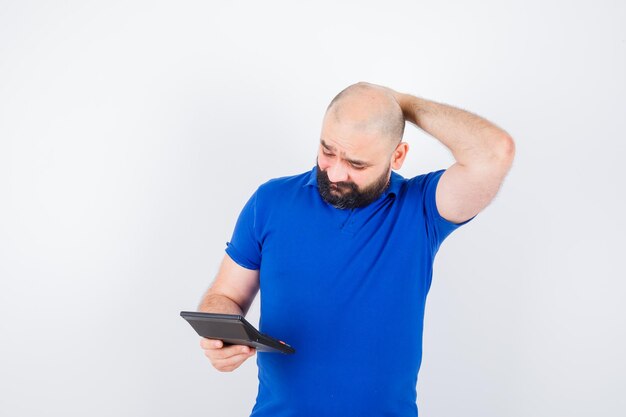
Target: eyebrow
[[352, 161]]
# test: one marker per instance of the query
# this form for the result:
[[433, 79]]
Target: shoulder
[[279, 197], [276, 189], [285, 183], [422, 184], [423, 180]]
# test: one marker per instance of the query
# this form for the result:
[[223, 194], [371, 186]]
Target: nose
[[337, 172]]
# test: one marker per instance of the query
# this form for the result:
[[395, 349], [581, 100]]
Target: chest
[[342, 258]]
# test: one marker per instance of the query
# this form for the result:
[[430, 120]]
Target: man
[[343, 255]]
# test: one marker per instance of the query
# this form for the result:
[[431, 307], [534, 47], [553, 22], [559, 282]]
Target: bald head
[[370, 109]]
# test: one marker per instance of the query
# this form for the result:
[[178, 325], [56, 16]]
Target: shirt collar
[[395, 182]]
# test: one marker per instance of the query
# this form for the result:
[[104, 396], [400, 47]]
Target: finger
[[231, 363], [206, 343], [228, 351]]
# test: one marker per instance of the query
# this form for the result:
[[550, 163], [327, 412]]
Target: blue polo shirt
[[345, 288]]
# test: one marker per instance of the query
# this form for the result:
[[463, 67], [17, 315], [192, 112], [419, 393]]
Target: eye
[[358, 167], [326, 153]]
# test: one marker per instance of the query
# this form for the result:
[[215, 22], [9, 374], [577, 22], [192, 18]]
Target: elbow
[[505, 151]]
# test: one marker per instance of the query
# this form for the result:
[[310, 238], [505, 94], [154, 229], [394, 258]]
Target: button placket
[[348, 224]]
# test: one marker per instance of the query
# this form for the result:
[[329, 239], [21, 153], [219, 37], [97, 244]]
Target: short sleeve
[[244, 247], [438, 227]]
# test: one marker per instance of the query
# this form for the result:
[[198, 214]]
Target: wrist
[[404, 101]]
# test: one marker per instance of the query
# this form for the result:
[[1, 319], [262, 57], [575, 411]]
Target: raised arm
[[483, 153]]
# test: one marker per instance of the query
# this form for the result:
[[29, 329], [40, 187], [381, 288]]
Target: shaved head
[[360, 145], [370, 109]]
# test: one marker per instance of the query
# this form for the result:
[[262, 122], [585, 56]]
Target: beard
[[346, 195]]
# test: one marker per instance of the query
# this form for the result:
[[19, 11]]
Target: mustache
[[343, 184], [339, 185]]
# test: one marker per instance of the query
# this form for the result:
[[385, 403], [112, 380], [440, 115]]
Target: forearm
[[215, 303], [471, 139]]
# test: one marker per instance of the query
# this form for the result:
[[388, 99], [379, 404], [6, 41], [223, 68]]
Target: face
[[353, 167], [356, 152], [346, 194]]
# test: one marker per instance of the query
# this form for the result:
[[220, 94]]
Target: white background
[[132, 133]]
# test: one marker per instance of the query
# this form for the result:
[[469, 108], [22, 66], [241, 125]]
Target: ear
[[397, 158]]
